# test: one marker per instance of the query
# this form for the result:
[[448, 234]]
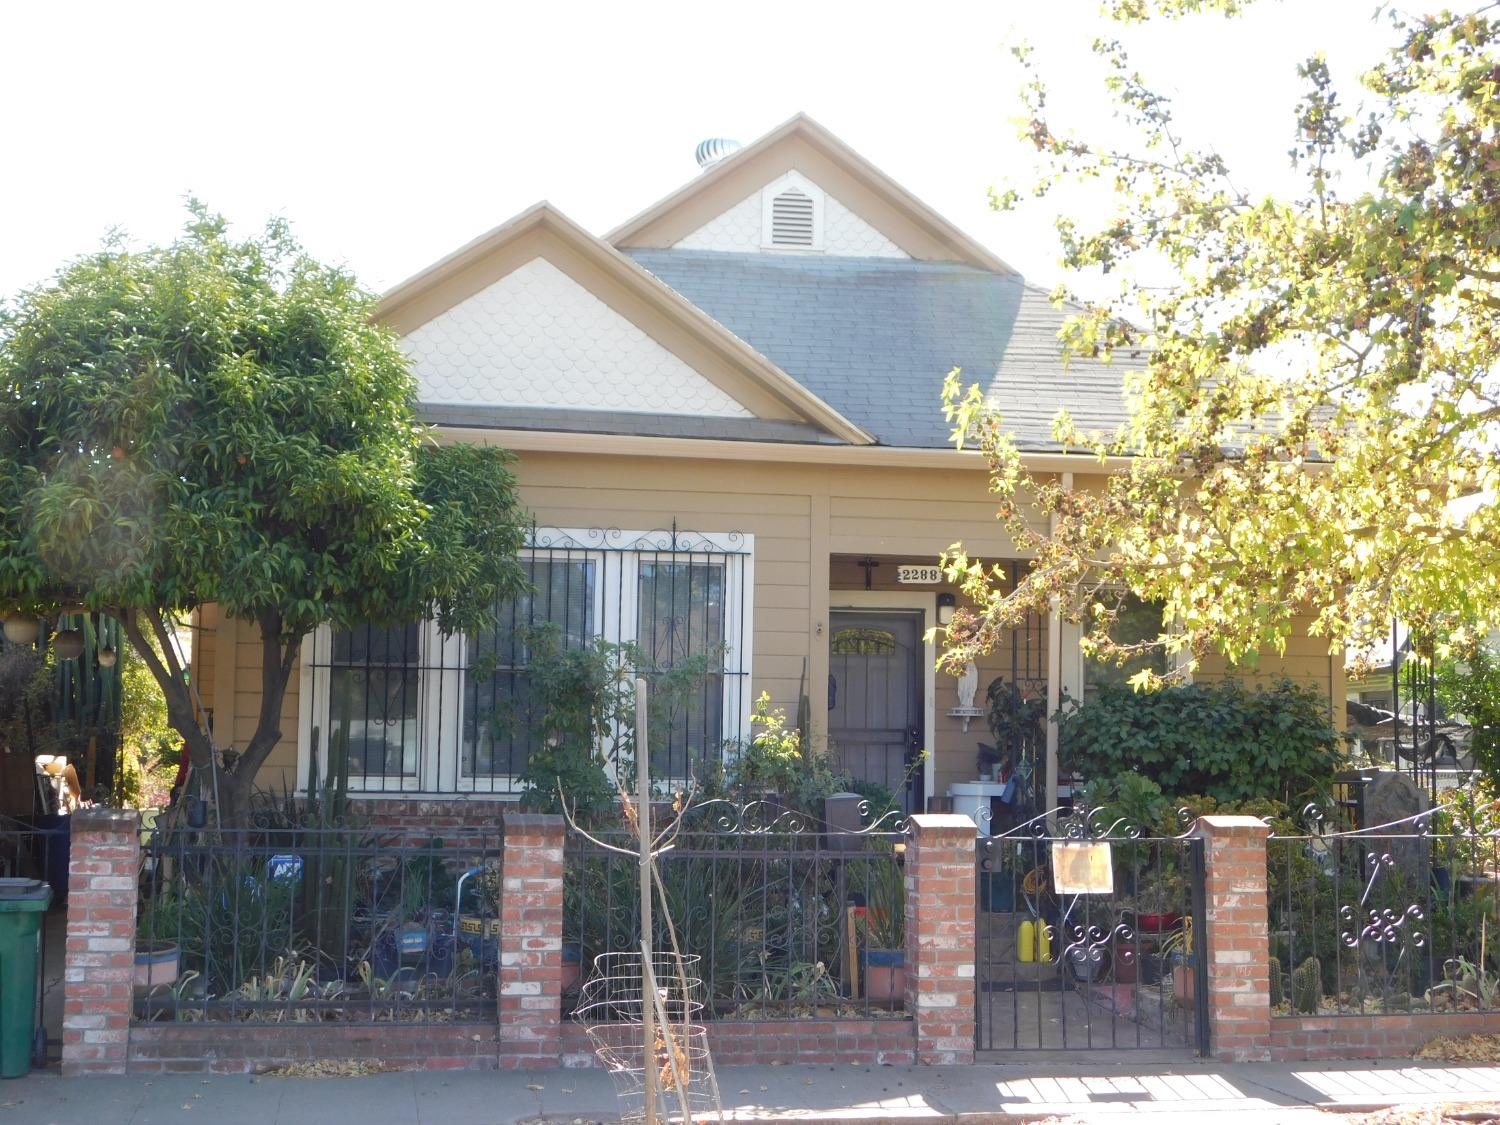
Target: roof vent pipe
[[710, 152]]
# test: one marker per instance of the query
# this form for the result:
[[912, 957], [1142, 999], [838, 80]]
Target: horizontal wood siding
[[899, 515]]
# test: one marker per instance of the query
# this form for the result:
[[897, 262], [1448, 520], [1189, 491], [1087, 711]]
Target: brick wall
[[940, 937], [1371, 1037], [1237, 941], [784, 1042], [531, 925], [99, 970], [242, 1048], [418, 820]]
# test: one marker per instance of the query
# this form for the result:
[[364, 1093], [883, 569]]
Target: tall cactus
[[1307, 986]]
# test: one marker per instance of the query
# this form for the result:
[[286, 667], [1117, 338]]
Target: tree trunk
[[278, 655]]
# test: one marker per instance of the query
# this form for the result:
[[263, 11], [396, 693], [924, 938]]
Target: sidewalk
[[1044, 1087]]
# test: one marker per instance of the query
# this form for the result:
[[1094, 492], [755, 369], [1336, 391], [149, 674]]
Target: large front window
[[426, 712]]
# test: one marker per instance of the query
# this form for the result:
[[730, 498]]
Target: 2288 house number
[[919, 575]]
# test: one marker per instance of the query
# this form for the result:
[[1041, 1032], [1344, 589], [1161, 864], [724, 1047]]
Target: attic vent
[[792, 219]]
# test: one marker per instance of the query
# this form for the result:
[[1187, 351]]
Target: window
[[373, 702], [424, 712], [1136, 622], [499, 729], [792, 214]]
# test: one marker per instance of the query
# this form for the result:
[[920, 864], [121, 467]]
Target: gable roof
[[543, 229], [801, 143], [875, 338]]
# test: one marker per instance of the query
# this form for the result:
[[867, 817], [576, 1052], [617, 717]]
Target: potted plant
[[158, 955], [1178, 948], [883, 927], [1158, 893]]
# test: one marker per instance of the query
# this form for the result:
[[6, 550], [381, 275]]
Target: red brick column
[[940, 936], [531, 920], [1237, 942], [99, 968]]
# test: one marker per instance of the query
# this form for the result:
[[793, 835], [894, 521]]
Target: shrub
[[1219, 740]]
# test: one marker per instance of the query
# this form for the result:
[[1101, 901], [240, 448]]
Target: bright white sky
[[391, 134]]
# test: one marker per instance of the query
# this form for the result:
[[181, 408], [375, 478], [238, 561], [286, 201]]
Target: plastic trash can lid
[[15, 892]]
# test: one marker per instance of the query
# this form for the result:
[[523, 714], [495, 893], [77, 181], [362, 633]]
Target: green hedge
[[1219, 740]]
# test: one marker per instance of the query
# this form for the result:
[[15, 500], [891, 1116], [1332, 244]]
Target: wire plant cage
[[611, 1008]]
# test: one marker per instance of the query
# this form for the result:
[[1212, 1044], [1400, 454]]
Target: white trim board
[[924, 601]]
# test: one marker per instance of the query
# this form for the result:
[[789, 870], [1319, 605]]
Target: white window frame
[[442, 661], [767, 199]]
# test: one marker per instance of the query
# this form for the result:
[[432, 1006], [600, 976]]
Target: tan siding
[[898, 515], [204, 663], [1306, 661]]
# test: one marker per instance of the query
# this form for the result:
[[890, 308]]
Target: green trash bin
[[22, 903]]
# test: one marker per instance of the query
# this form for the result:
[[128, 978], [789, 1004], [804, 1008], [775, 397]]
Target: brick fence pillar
[[940, 936], [99, 965], [531, 920], [1237, 942]]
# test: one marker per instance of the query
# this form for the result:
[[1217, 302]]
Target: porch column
[[1054, 695], [940, 936], [1237, 940], [531, 921]]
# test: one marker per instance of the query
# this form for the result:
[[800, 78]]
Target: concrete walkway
[[1042, 1088]]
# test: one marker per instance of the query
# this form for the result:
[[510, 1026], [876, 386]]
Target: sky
[[389, 134]]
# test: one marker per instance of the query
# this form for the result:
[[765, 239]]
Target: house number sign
[[919, 575]]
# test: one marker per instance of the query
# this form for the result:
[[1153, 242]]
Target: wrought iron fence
[[302, 925], [789, 917], [416, 710], [1391, 918], [1089, 937]]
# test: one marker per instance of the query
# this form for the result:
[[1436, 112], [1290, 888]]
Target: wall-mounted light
[[947, 603]]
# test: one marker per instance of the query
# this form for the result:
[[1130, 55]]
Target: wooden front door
[[875, 699]]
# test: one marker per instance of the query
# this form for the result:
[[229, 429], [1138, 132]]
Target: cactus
[[1278, 989], [1307, 986]]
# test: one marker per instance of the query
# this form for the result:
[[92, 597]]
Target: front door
[[875, 699]]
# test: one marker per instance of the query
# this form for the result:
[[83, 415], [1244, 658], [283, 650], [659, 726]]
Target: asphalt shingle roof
[[875, 337]]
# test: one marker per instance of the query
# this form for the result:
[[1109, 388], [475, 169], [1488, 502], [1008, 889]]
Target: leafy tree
[[222, 421], [1313, 387], [1468, 684]]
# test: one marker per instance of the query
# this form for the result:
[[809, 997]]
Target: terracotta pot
[[885, 974], [1184, 982], [1157, 923], [156, 963]]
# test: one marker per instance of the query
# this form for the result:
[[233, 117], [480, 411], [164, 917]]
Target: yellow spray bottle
[[1043, 942], [1026, 942]]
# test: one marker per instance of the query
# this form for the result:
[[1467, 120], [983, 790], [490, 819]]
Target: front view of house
[[728, 432]]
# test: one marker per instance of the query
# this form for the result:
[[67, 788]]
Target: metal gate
[[1089, 936]]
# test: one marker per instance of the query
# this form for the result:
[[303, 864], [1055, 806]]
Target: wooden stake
[[643, 823]]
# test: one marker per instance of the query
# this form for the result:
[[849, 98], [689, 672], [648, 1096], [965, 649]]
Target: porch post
[[1054, 694], [940, 936], [1237, 940]]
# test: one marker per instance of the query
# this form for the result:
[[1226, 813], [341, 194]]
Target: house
[[727, 423]]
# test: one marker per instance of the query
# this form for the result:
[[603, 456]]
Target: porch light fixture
[[947, 603]]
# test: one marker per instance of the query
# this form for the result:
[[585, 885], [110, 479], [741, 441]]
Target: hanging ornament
[[107, 657], [68, 644], [22, 628]]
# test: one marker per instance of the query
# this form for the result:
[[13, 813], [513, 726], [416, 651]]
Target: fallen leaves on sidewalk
[[1467, 1113], [325, 1068], [1462, 1048]]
